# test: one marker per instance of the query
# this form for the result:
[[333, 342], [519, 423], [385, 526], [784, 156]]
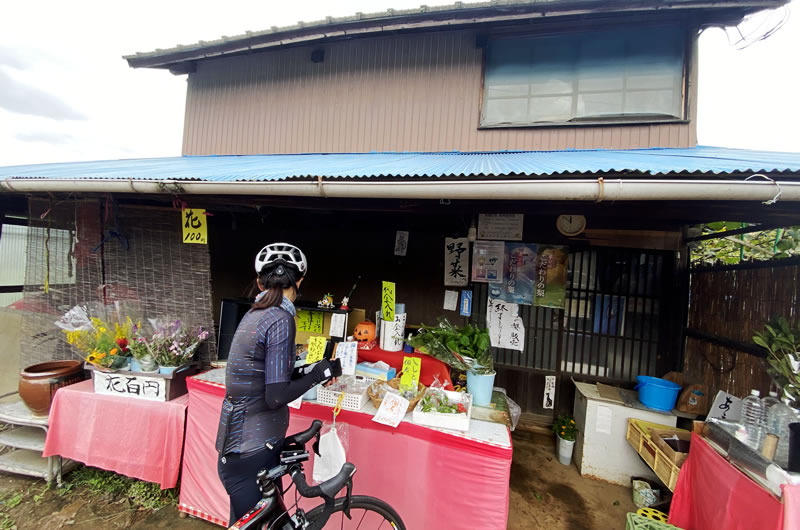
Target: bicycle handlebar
[[327, 490]]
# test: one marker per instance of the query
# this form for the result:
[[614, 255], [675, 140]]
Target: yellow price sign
[[316, 349], [310, 321], [411, 370], [195, 227], [387, 301]]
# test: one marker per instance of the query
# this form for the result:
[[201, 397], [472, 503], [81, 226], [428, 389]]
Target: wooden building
[[335, 134]]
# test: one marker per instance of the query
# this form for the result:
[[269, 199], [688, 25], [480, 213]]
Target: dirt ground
[[544, 494]]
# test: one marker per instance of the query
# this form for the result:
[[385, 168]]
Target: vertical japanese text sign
[[456, 261], [387, 301], [195, 229]]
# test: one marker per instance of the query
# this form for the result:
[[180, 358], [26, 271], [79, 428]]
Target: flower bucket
[[167, 370], [136, 366], [481, 387], [565, 448]]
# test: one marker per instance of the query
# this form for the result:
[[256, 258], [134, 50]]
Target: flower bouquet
[[101, 343], [173, 343]]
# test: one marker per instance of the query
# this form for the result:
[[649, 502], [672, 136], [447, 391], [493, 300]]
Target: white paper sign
[[450, 300], [393, 410], [347, 353], [400, 243], [392, 333], [603, 421], [726, 407], [338, 321], [142, 387], [456, 261], [506, 329], [549, 391], [296, 403], [500, 226]]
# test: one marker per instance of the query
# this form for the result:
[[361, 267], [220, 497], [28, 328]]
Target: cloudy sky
[[66, 94]]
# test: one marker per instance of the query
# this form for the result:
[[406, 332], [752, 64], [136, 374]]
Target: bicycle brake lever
[[316, 444], [348, 498]]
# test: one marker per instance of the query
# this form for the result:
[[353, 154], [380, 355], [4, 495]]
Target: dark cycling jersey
[[258, 381]]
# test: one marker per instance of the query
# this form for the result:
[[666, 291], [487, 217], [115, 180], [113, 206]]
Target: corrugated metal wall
[[419, 93]]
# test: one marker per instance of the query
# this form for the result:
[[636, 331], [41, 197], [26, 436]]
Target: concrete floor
[[547, 494]]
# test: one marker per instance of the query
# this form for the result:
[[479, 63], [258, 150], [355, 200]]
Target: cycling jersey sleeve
[[277, 395]]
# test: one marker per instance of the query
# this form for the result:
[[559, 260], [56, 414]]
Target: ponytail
[[275, 278]]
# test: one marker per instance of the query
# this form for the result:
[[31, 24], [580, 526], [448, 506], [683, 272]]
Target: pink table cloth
[[134, 437], [432, 478], [712, 494]]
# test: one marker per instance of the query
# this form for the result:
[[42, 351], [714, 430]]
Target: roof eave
[[349, 27]]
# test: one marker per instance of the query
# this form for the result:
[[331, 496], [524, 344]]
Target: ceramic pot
[[39, 382]]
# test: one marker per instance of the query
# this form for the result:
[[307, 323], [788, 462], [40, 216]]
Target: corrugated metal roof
[[409, 19], [697, 161]]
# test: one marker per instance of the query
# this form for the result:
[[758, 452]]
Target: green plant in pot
[[566, 432], [781, 339], [467, 348]]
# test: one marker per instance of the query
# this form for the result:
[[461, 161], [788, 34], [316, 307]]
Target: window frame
[[689, 40]]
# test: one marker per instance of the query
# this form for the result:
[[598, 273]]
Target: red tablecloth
[[135, 437], [432, 478], [712, 494], [430, 366]]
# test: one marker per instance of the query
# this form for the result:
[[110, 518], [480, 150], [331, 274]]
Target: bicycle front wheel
[[368, 513]]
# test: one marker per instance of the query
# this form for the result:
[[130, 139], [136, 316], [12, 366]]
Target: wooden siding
[[419, 93]]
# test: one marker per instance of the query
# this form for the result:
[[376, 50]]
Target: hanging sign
[[500, 226], [549, 391], [387, 301], [309, 321], [411, 370], [316, 349], [401, 243], [195, 229], [519, 274], [551, 276], [450, 300], [456, 261], [466, 303], [505, 326]]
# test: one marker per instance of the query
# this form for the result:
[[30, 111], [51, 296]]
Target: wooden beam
[[752, 349]]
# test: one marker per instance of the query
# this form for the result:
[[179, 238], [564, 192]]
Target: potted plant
[[782, 341], [566, 432], [173, 344], [467, 348]]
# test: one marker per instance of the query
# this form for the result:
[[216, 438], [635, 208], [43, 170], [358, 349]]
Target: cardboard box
[[677, 457]]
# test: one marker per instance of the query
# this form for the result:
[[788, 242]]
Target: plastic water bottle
[[769, 401], [753, 419], [779, 417]]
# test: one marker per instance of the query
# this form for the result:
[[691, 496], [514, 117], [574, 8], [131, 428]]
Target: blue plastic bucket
[[657, 393], [480, 386]]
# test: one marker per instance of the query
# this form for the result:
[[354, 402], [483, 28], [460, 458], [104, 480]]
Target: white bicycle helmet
[[281, 253]]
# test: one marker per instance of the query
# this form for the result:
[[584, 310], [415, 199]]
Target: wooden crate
[[138, 385], [640, 440]]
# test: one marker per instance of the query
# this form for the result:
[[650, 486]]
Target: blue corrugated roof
[[698, 160]]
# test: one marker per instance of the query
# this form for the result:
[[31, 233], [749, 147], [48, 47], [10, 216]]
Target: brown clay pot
[[39, 382]]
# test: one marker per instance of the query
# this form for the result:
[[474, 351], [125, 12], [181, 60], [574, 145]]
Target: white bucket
[[565, 448]]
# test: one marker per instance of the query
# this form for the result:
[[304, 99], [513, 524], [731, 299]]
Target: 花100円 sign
[[195, 227]]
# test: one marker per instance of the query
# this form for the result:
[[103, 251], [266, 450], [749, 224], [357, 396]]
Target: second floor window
[[626, 75]]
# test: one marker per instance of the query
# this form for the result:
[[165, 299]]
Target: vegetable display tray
[[442, 420]]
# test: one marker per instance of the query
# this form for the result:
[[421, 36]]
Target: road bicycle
[[356, 511]]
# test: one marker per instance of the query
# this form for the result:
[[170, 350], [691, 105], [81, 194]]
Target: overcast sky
[[67, 94]]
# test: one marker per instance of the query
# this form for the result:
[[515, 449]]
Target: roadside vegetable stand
[[433, 478]]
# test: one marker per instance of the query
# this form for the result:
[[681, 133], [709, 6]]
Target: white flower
[[795, 363]]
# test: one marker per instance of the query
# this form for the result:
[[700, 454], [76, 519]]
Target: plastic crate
[[664, 468], [352, 400], [640, 522]]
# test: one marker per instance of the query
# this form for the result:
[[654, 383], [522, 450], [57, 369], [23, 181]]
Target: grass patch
[[142, 494]]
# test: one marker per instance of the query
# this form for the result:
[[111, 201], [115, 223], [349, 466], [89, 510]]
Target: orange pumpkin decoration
[[364, 331]]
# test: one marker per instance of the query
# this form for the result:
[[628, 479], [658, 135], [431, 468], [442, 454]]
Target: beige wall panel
[[384, 94]]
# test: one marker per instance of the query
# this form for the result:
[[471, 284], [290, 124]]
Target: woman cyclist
[[259, 379]]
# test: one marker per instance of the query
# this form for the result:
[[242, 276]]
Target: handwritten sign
[[392, 411], [338, 323], [142, 387], [387, 301], [347, 353], [549, 391], [506, 329], [500, 226], [411, 370], [316, 349], [195, 229], [309, 321], [401, 243], [456, 261]]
